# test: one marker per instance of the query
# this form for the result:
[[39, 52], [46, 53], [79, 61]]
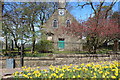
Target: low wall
[[60, 59]]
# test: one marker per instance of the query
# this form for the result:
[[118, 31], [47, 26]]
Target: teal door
[[61, 44]]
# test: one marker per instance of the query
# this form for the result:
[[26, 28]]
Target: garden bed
[[89, 70]]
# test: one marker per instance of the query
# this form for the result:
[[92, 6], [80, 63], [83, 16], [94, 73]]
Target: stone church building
[[54, 31]]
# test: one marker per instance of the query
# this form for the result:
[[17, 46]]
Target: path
[[6, 73]]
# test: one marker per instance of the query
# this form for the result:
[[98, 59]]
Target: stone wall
[[61, 59]]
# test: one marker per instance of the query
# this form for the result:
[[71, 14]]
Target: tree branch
[[109, 8], [84, 4], [93, 7]]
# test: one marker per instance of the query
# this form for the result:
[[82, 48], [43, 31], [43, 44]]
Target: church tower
[[61, 12]]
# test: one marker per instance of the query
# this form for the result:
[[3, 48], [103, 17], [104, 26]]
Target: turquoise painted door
[[61, 44]]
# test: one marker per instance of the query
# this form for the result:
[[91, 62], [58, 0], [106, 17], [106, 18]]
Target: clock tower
[[61, 12], [61, 7]]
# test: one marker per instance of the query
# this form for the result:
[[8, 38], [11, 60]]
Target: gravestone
[[10, 63]]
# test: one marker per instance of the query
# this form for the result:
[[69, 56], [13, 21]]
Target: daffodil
[[89, 65], [29, 74], [103, 76], [61, 75], [113, 77], [107, 70], [78, 76], [82, 64], [100, 71], [26, 76], [36, 72], [116, 74], [30, 77], [24, 67], [94, 73], [45, 70], [73, 77], [38, 67], [91, 71]]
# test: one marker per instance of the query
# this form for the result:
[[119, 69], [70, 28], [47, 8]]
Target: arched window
[[55, 23], [68, 23]]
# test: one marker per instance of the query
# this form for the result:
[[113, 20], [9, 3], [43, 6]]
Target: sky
[[56, 0], [1, 39], [83, 14], [80, 13]]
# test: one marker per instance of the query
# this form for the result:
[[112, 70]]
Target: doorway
[[61, 43]]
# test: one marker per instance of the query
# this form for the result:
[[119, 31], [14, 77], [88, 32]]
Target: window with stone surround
[[68, 23], [55, 23]]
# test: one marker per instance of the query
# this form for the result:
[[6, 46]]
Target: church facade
[[54, 30]]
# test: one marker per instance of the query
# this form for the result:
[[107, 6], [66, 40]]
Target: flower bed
[[90, 70]]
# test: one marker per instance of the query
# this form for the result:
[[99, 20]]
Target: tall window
[[55, 23], [68, 23]]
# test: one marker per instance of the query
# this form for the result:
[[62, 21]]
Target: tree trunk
[[105, 44], [18, 49], [118, 45], [12, 44], [22, 56], [33, 46], [94, 49], [6, 42], [33, 40], [16, 43], [115, 47], [0, 11]]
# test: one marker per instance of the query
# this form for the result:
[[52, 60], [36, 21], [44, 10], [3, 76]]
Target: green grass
[[27, 52], [103, 51], [37, 54], [0, 50], [66, 52]]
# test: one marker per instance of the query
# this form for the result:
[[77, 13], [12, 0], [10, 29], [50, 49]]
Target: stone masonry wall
[[61, 59]]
